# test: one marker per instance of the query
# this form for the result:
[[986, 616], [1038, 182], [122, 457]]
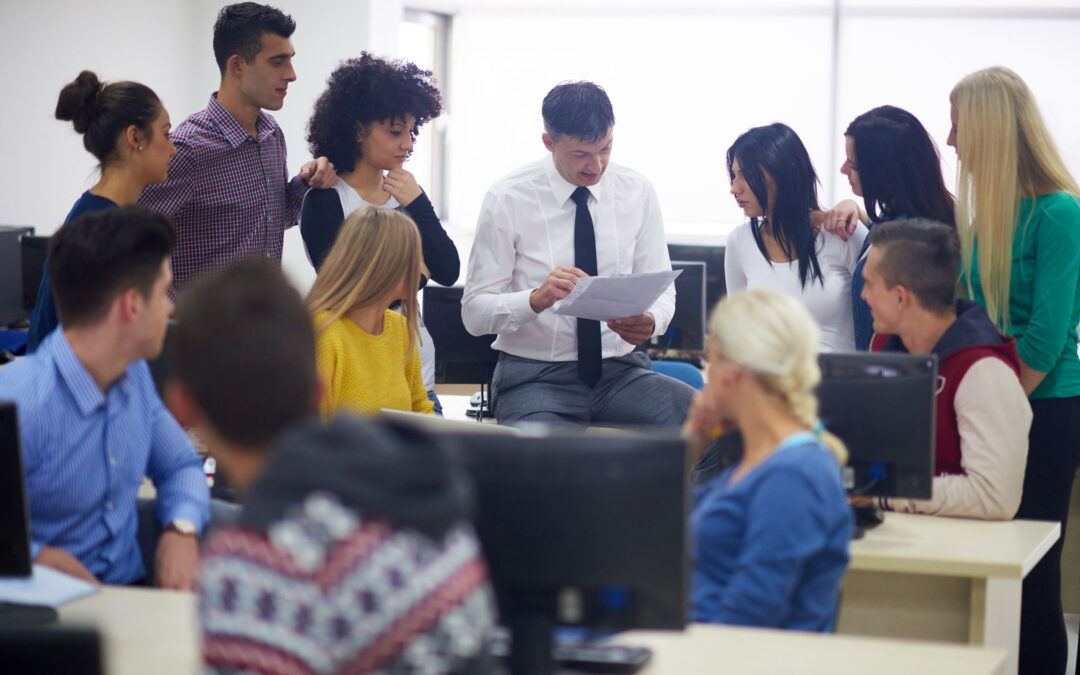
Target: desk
[[155, 631], [943, 579]]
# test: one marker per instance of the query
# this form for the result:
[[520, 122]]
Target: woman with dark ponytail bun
[[125, 126]]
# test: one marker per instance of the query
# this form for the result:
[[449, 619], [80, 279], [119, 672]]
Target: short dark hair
[[244, 347], [778, 151], [366, 90], [899, 167], [239, 29], [581, 110], [923, 256], [101, 254], [102, 112]]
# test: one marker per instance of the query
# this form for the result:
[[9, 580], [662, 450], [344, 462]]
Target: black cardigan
[[322, 215]]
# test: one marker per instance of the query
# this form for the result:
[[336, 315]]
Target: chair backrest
[[680, 371]]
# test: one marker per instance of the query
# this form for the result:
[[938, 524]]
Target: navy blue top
[[771, 549], [860, 311], [44, 319]]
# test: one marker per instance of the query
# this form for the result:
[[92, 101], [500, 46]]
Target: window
[[423, 38]]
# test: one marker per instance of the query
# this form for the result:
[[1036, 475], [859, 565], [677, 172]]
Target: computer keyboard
[[587, 657]]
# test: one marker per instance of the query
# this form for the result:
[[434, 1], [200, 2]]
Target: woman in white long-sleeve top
[[781, 247]]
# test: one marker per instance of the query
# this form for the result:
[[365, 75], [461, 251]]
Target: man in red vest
[[983, 415]]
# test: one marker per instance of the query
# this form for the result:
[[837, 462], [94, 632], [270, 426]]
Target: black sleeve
[[440, 254], [320, 220]]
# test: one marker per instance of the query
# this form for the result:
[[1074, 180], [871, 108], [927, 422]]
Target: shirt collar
[[234, 133], [84, 389], [563, 188]]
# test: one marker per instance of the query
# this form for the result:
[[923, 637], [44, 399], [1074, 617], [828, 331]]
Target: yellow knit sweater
[[364, 372]]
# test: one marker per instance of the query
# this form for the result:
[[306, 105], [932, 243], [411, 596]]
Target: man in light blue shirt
[[92, 424]]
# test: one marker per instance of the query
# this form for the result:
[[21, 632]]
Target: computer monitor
[[686, 331], [12, 311], [34, 251], [580, 530], [713, 257], [51, 651], [460, 357], [14, 514], [882, 406]]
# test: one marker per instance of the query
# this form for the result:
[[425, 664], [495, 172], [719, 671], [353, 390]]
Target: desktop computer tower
[[12, 308]]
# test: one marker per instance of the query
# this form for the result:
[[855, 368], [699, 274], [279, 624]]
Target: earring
[[140, 148]]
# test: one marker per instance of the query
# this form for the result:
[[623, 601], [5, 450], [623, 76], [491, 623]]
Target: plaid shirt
[[228, 194]]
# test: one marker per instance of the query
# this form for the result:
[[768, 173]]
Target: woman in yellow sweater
[[366, 353]]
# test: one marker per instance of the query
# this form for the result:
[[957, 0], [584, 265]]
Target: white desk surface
[[155, 631], [916, 544], [704, 648]]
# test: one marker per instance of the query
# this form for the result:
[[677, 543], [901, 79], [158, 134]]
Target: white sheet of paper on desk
[[607, 298], [46, 587]]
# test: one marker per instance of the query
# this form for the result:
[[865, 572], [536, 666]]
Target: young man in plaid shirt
[[229, 194]]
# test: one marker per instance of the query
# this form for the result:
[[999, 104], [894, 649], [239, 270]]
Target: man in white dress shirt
[[541, 228]]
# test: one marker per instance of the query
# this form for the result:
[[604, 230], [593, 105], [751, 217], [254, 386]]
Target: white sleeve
[[487, 306], [853, 247], [994, 417], [734, 274], [651, 255]]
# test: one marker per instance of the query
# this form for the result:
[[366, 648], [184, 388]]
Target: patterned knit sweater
[[318, 587]]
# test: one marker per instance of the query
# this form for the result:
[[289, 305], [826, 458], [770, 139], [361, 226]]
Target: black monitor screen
[[582, 529], [713, 257], [14, 525], [460, 358], [687, 328], [882, 406]]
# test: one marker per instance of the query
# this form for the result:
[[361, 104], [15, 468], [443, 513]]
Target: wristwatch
[[183, 526]]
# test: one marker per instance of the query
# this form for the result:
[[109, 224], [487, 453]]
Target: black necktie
[[588, 331]]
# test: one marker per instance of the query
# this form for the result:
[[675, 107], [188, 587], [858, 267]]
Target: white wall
[[686, 77], [165, 44]]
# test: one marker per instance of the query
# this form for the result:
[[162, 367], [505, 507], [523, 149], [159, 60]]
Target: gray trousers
[[629, 393]]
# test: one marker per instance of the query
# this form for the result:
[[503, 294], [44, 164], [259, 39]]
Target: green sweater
[[1044, 291]]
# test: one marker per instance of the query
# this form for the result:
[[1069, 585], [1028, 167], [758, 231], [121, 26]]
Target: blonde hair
[[374, 251], [1006, 153], [774, 336]]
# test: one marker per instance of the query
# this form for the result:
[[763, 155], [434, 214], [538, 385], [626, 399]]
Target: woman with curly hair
[[365, 123]]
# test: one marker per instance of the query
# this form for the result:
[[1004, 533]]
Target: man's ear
[[904, 297], [181, 404], [549, 142], [234, 65], [129, 304]]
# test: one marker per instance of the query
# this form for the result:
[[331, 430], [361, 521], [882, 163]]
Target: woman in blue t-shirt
[[770, 535], [125, 126]]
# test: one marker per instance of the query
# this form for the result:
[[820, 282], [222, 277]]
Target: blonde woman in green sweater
[[1018, 214]]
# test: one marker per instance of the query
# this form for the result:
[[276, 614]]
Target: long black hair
[[899, 167], [776, 151]]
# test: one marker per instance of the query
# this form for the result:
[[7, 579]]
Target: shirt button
[[108, 506], [112, 461]]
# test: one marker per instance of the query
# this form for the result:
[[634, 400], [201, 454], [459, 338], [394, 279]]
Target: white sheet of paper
[[46, 587], [617, 297]]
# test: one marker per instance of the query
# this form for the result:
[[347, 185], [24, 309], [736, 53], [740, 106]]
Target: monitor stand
[[531, 642], [866, 518]]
